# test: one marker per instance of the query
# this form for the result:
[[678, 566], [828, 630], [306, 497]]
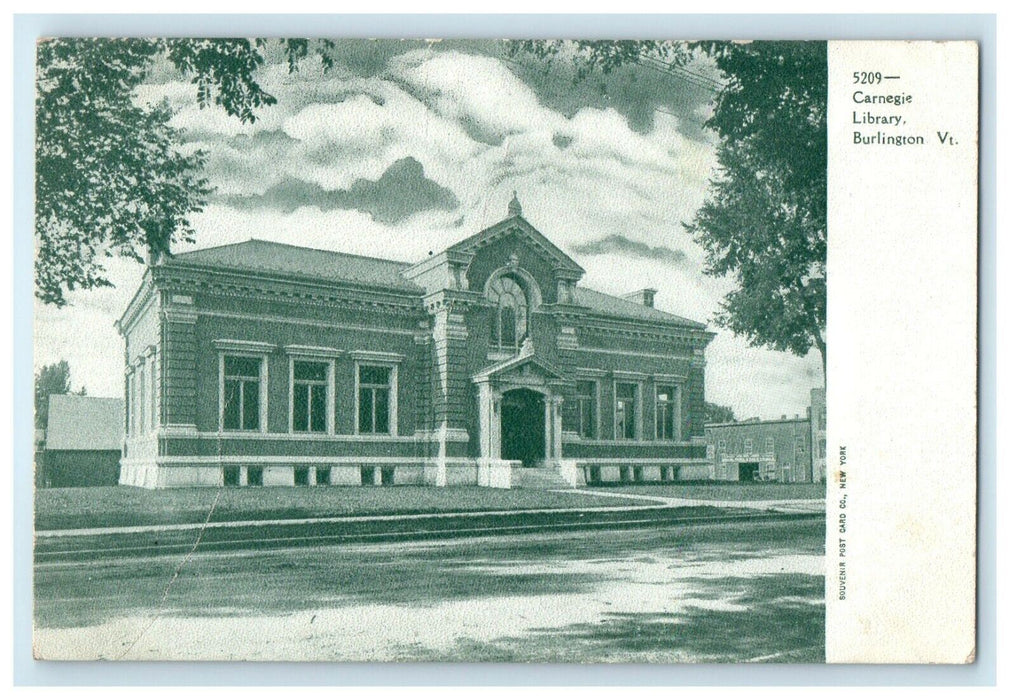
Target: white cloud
[[475, 88], [759, 382]]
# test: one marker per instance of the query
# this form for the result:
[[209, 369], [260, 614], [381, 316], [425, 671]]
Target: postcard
[[505, 350]]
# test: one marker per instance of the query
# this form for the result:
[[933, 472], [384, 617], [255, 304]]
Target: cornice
[[452, 300], [231, 345], [312, 351], [390, 358], [145, 295], [275, 290], [649, 331]]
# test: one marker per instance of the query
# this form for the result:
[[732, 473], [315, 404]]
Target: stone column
[[450, 336], [548, 427], [496, 425], [485, 410], [693, 399], [178, 388], [452, 387], [567, 343], [422, 418], [556, 405]]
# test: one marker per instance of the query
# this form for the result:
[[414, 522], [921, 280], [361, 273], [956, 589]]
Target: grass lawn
[[109, 506], [731, 491]]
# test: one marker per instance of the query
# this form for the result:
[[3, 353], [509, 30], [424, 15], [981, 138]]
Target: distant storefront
[[783, 450], [82, 442]]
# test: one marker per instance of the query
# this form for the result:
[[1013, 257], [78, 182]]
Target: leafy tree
[[51, 379], [764, 220], [716, 413], [111, 178]]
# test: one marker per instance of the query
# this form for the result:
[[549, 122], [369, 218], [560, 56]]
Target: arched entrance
[[522, 426]]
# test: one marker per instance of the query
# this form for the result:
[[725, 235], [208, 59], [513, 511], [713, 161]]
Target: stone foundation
[[453, 472]]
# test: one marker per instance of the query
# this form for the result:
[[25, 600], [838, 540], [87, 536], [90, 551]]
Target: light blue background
[[28, 27]]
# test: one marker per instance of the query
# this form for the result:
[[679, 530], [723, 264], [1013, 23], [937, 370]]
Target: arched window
[[508, 322]]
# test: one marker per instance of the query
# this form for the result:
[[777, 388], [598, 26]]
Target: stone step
[[537, 478]]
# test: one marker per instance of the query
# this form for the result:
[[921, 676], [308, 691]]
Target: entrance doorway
[[522, 426], [748, 471]]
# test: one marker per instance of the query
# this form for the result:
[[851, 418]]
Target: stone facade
[[261, 363]]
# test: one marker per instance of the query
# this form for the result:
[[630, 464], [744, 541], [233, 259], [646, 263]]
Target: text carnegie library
[[870, 118]]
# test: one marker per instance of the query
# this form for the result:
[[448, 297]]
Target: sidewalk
[[184, 527], [654, 503], [805, 505]]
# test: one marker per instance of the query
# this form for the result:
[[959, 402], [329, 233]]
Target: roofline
[[768, 421], [254, 239], [274, 275], [80, 397], [678, 322]]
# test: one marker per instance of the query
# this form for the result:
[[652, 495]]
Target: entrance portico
[[520, 403]]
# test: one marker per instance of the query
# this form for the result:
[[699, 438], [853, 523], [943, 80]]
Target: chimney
[[643, 296]]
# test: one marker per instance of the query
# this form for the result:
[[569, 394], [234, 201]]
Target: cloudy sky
[[406, 147]]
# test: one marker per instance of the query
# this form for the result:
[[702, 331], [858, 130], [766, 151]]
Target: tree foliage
[[51, 379], [716, 413], [763, 223], [764, 220], [111, 177]]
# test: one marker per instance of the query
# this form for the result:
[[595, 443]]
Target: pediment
[[525, 233], [526, 370]]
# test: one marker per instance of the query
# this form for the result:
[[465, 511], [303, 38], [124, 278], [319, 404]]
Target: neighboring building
[[817, 414], [783, 450], [82, 443], [263, 363]]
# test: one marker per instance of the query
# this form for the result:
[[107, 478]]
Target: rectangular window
[[665, 413], [323, 476], [721, 446], [301, 476], [748, 445], [241, 400], [310, 397], [367, 476], [769, 444], [508, 327], [255, 476], [231, 476], [625, 411], [374, 397], [586, 398]]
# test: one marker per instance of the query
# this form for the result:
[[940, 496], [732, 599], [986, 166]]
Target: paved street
[[750, 591]]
